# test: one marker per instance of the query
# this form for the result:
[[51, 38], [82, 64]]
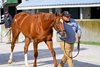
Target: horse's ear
[[56, 13], [59, 14]]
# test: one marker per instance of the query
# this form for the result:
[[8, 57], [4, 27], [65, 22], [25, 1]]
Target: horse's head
[[58, 25]]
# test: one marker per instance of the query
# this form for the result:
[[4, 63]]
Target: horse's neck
[[45, 22], [48, 21]]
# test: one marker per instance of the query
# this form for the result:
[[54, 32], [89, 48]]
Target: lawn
[[91, 43]]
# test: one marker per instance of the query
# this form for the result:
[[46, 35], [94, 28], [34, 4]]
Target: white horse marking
[[61, 20]]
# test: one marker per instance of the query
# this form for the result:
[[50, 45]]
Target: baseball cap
[[66, 13]]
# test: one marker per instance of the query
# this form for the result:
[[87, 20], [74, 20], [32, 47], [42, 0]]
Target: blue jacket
[[71, 28], [8, 21]]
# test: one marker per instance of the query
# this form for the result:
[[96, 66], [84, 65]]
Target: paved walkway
[[89, 56]]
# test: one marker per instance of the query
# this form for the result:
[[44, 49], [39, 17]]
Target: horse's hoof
[[10, 61], [59, 65], [56, 66], [35, 65]]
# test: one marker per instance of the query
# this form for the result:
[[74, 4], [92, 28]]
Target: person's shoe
[[59, 65]]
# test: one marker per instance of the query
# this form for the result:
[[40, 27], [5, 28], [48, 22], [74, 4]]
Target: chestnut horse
[[38, 27]]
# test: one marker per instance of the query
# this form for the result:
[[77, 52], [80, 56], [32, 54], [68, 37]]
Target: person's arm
[[10, 18], [5, 18], [78, 31]]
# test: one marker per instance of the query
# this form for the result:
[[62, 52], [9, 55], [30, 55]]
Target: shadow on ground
[[43, 53], [76, 63]]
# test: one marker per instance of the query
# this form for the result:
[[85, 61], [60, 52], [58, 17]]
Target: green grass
[[91, 43]]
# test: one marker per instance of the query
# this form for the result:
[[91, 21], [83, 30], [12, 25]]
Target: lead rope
[[78, 48], [6, 33]]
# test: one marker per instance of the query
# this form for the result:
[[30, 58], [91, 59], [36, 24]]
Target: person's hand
[[8, 18], [63, 35], [78, 37]]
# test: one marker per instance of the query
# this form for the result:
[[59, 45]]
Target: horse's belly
[[45, 37]]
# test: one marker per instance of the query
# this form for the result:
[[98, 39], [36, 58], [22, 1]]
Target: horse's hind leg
[[14, 37], [50, 46], [26, 50]]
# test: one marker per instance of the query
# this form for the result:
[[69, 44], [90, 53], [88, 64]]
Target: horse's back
[[33, 25], [19, 19]]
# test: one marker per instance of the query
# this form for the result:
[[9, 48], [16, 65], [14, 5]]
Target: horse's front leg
[[50, 46], [26, 50], [14, 37], [35, 46]]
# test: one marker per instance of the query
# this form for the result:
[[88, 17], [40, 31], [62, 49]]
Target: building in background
[[87, 13], [0, 18], [79, 9], [0, 9], [10, 5], [82, 10]]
